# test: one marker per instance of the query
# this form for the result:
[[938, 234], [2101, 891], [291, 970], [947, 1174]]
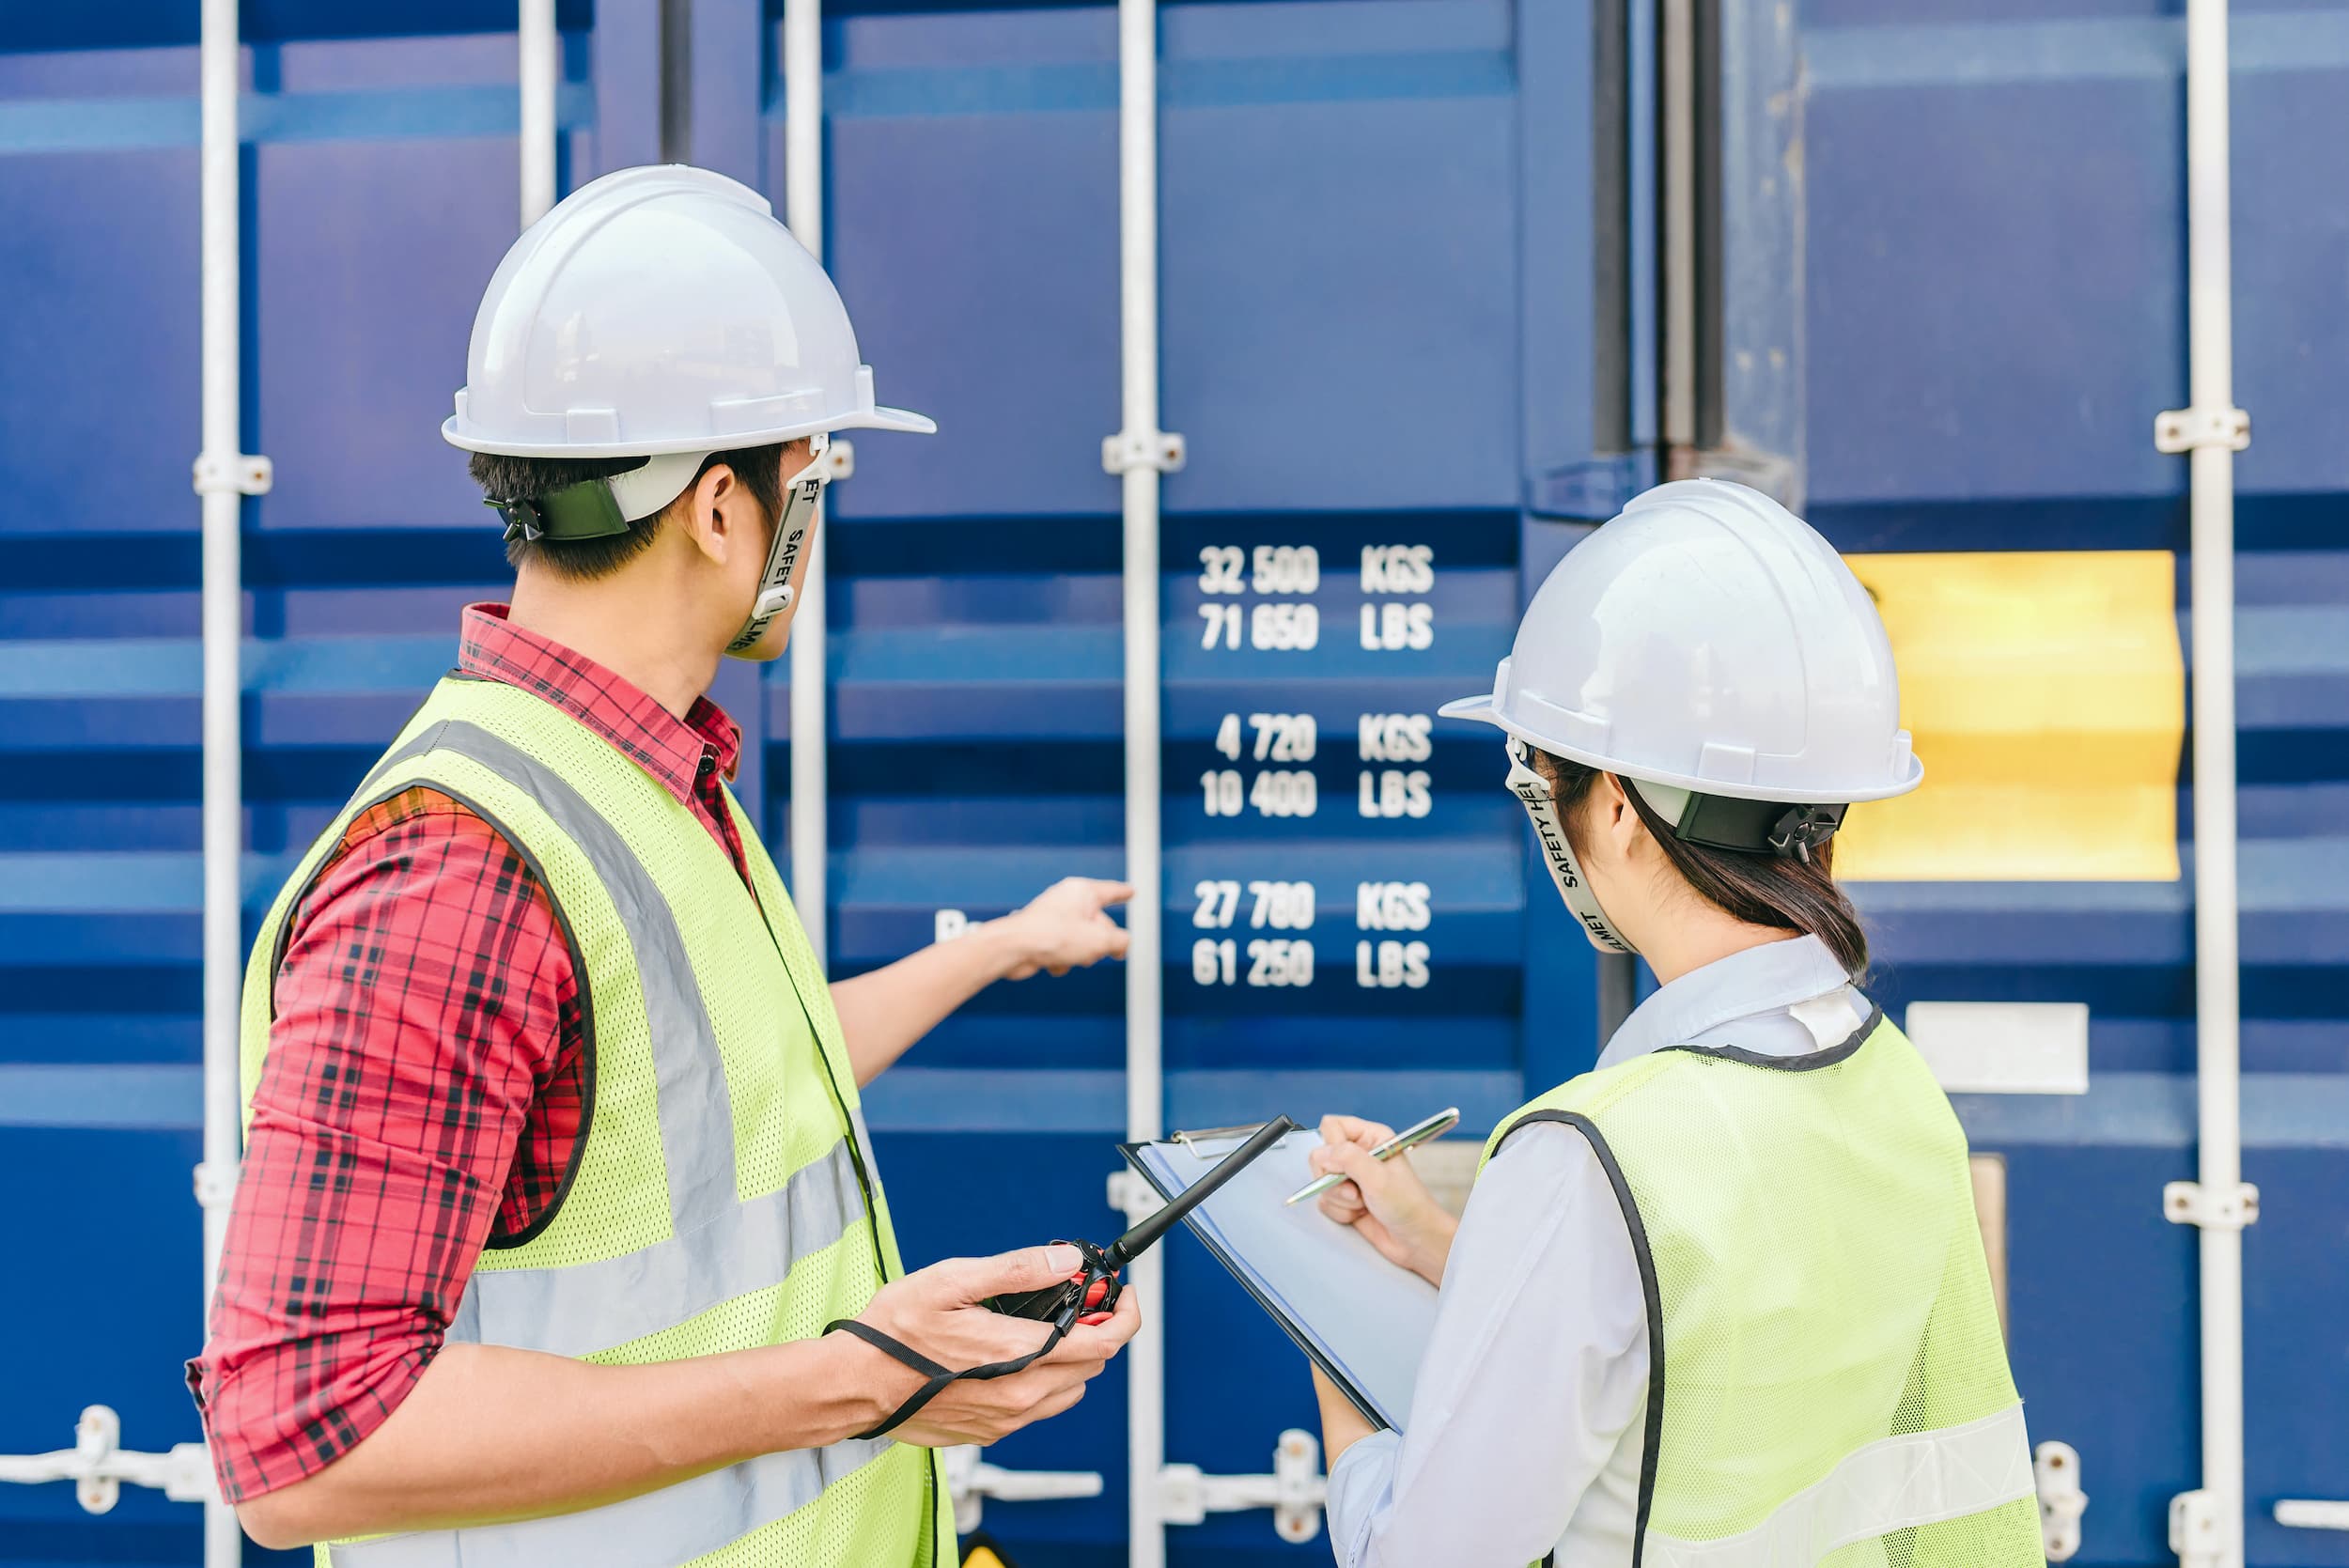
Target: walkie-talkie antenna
[[1137, 1241]]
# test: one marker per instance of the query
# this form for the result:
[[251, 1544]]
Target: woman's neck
[[1689, 940]]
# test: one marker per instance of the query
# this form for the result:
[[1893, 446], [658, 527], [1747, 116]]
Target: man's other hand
[[1067, 927]]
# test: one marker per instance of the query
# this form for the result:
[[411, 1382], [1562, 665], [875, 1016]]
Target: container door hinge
[[2310, 1513], [98, 1466], [236, 473], [1132, 449], [215, 1185], [968, 1479], [2198, 1531], [1132, 1197], [1295, 1491], [2056, 1469], [2178, 430], [2192, 1203]]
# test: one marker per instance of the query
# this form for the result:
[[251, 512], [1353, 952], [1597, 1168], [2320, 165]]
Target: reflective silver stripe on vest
[[423, 742], [688, 1072], [659, 1529], [1893, 1483], [594, 1306], [864, 1140]]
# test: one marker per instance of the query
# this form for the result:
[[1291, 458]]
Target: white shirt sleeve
[[1537, 1367]]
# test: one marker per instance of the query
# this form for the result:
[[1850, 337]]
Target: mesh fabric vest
[[723, 1196], [1827, 1384]]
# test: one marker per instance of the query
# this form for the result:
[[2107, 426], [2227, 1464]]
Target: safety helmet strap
[[582, 511], [598, 508], [775, 593], [1789, 832], [1533, 791]]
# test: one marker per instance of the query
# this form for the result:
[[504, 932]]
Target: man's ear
[[704, 517]]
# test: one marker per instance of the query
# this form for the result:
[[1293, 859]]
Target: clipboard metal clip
[[1195, 1137]]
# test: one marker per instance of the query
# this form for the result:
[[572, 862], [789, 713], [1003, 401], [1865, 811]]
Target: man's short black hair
[[506, 478]]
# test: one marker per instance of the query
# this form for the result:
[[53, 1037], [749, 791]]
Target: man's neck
[[612, 623]]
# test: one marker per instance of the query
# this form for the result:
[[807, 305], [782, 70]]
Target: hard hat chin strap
[[1558, 854], [775, 593]]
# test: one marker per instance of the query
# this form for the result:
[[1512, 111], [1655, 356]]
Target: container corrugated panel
[[1990, 288], [1381, 292], [379, 189], [1377, 251], [1380, 286]]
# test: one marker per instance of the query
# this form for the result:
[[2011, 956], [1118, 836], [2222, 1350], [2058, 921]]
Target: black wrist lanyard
[[1093, 1288], [939, 1378]]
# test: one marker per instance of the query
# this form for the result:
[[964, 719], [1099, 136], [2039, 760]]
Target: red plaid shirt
[[422, 1094]]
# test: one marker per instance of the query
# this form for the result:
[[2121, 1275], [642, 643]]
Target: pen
[[1434, 1126]]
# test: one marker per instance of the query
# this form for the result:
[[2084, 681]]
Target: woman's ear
[[1615, 818]]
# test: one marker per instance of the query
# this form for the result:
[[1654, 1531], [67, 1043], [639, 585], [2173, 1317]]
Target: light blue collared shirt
[[1526, 1431]]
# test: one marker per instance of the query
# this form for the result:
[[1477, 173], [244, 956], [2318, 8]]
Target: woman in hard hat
[[1720, 1301]]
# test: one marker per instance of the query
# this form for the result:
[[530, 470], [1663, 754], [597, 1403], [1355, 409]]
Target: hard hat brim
[[1484, 709], [903, 420], [1480, 707], [897, 419]]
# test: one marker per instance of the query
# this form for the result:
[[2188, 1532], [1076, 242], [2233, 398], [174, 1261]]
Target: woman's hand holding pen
[[1384, 1199]]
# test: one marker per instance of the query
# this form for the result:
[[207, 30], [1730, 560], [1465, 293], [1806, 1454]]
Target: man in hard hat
[[555, 1180]]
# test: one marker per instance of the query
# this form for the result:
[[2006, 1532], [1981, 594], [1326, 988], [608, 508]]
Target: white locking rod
[[98, 1466], [223, 476], [1139, 437], [969, 1480], [1296, 1490], [2207, 1522], [2311, 1513]]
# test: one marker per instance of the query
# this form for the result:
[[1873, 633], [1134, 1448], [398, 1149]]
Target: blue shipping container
[[1412, 303]]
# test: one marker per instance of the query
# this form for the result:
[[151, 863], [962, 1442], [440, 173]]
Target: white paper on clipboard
[[1363, 1319]]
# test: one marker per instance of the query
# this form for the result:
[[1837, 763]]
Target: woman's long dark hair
[[1760, 890]]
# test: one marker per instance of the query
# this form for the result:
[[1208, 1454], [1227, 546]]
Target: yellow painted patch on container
[[2046, 692]]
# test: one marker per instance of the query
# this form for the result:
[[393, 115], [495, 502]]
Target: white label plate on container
[[2004, 1048]]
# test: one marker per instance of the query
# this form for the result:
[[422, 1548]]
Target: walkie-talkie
[[1094, 1287]]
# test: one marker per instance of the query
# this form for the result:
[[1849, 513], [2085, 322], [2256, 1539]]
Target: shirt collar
[[670, 749], [1758, 980]]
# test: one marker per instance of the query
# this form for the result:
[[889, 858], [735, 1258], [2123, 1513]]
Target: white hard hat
[[1709, 646], [661, 311], [1711, 640]]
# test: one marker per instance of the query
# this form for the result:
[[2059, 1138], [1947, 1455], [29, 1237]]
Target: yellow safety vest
[[725, 1195], [1828, 1381]]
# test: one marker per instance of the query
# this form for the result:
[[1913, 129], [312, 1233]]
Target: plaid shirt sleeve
[[422, 1009]]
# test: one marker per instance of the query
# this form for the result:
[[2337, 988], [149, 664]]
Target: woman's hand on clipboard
[[1384, 1199]]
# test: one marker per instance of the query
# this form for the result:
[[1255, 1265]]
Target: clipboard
[[1363, 1321]]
